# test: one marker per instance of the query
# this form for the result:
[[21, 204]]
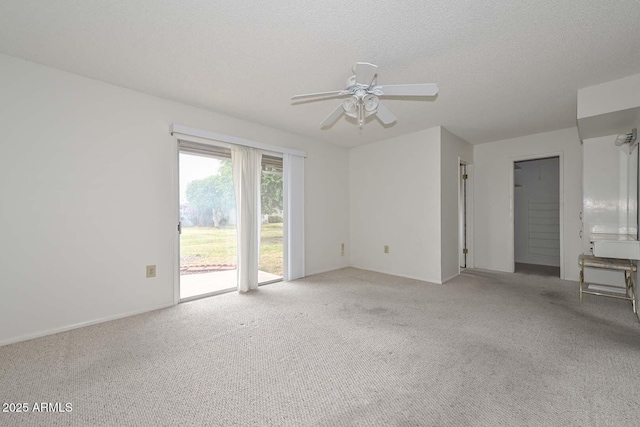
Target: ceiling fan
[[363, 94]]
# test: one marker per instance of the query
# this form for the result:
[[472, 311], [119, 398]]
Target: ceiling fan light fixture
[[350, 104], [371, 103]]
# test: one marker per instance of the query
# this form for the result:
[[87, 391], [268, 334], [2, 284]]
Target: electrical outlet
[[386, 249], [342, 249], [151, 271]]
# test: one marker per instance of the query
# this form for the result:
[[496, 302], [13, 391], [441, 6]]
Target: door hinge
[[465, 251], [180, 228], [465, 176]]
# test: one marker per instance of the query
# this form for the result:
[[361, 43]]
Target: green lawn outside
[[271, 248], [200, 246]]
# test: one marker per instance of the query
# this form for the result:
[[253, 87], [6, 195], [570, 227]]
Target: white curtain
[[246, 164], [293, 181]]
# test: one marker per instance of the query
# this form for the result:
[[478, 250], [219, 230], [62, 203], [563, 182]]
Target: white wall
[[538, 180], [609, 108], [454, 150], [492, 192], [86, 188], [604, 98], [609, 208], [605, 188], [395, 201]]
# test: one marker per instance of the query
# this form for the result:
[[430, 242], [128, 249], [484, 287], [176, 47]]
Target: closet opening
[[536, 216]]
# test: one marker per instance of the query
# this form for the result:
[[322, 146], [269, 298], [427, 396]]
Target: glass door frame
[[186, 151], [176, 203]]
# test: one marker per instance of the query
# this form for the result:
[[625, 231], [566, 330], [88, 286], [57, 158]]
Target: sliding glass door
[[209, 224], [272, 212], [208, 237]]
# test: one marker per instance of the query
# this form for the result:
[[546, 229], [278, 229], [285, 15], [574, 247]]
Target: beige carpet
[[345, 348]]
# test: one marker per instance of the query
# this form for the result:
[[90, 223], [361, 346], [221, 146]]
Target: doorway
[[537, 216]]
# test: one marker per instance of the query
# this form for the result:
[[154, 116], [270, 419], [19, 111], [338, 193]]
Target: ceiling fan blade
[[421, 89], [331, 94], [331, 118], [385, 115], [365, 73]]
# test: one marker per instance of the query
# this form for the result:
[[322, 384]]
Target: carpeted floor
[[540, 270], [348, 347]]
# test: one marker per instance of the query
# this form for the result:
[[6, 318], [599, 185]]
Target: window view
[[208, 241], [271, 230]]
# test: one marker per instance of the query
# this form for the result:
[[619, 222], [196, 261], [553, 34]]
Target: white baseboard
[[326, 271], [80, 325], [445, 280], [422, 279]]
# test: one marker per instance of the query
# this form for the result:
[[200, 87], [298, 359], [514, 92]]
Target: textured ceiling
[[504, 68]]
